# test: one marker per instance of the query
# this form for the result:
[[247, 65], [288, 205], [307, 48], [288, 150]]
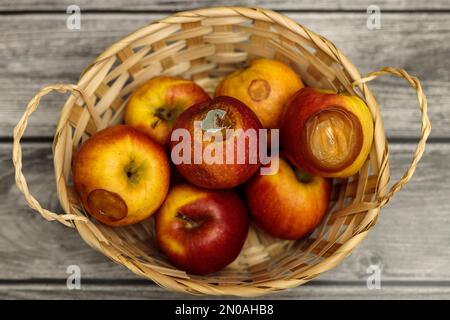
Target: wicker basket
[[205, 45]]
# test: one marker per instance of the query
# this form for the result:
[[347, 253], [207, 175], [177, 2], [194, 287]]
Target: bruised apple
[[201, 231], [154, 107], [121, 175], [288, 204], [215, 144], [326, 133], [265, 87]]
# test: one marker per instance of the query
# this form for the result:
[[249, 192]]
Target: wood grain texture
[[37, 50], [309, 291], [411, 241], [177, 5]]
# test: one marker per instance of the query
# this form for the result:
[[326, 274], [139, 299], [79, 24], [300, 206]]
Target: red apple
[[154, 107], [288, 204], [327, 133], [215, 144], [201, 231], [121, 175]]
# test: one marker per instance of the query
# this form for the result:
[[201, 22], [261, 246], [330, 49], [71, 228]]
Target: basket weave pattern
[[205, 45]]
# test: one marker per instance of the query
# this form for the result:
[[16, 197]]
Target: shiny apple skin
[[101, 164], [223, 175], [283, 206], [169, 95], [214, 240], [305, 104]]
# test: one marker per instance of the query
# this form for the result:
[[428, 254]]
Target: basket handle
[[66, 219], [425, 126]]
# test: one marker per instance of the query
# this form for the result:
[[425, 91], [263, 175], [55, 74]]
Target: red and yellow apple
[[215, 144], [154, 106], [287, 203], [121, 175], [265, 87], [201, 231], [326, 133]]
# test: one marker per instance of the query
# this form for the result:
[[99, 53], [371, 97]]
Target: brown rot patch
[[103, 203], [259, 90], [332, 139]]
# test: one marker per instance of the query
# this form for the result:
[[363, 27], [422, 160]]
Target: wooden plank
[[37, 50], [309, 291], [177, 5], [411, 241]]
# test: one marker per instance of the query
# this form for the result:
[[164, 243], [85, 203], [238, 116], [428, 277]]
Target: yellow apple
[[121, 175], [265, 87], [155, 106]]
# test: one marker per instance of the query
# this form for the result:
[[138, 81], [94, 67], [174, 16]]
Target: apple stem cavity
[[303, 176], [132, 170], [165, 114], [191, 223]]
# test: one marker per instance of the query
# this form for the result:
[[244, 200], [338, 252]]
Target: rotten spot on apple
[[217, 120], [259, 89], [332, 138], [106, 203]]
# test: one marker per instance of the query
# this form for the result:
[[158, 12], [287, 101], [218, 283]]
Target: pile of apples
[[126, 173]]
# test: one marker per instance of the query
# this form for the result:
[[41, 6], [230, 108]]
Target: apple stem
[[303, 176]]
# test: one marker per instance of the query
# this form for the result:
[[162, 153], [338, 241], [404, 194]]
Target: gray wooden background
[[410, 243]]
